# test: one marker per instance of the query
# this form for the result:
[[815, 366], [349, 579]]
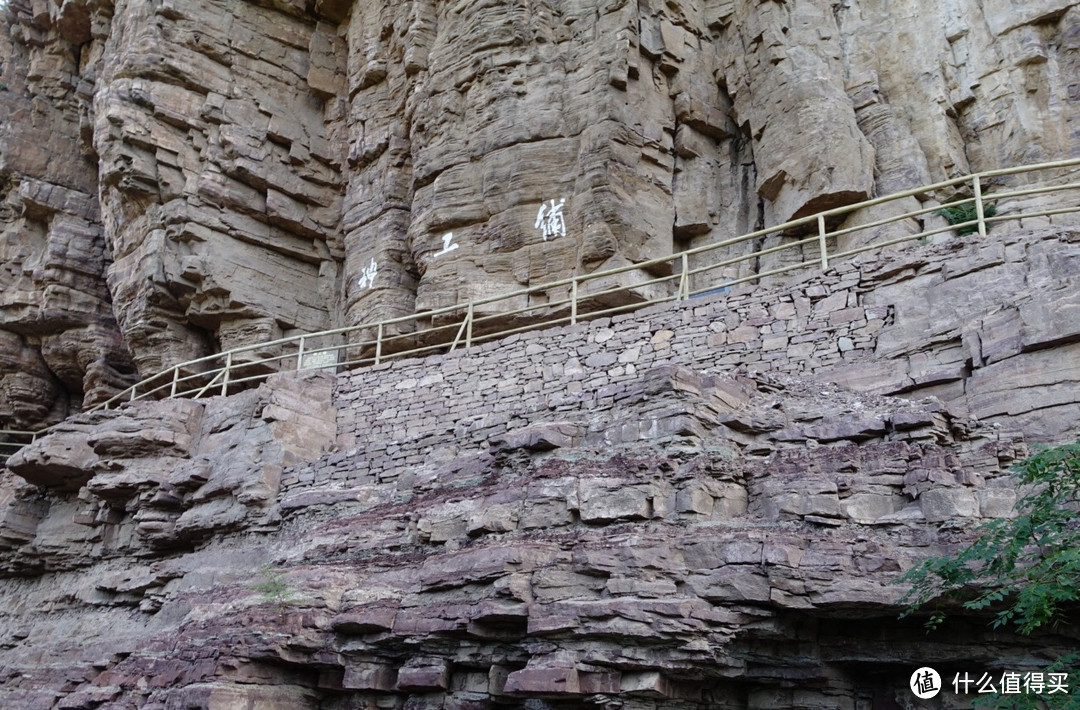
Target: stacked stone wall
[[874, 324], [629, 507]]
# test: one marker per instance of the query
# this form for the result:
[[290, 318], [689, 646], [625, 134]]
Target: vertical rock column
[[490, 151], [219, 186], [60, 348], [380, 276], [976, 86], [787, 81]]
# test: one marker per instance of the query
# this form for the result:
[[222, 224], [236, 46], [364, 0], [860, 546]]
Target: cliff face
[[679, 508], [180, 178], [688, 507]]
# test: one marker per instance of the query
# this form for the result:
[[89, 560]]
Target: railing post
[[378, 343], [300, 354], [684, 280], [979, 215], [225, 378], [468, 326], [573, 301], [175, 381], [821, 242]]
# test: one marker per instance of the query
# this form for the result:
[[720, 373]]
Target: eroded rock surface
[[714, 557], [171, 473], [563, 519], [693, 507], [181, 178], [61, 346]]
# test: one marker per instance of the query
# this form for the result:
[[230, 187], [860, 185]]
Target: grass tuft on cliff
[[967, 212]]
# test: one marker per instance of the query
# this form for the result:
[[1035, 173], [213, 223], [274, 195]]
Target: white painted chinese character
[[1010, 683], [367, 276], [446, 245], [550, 221], [1033, 682]]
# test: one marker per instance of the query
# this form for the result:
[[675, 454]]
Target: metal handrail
[[459, 322], [9, 447]]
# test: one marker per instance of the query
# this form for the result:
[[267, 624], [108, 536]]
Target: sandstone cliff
[[677, 508], [184, 177], [689, 507]]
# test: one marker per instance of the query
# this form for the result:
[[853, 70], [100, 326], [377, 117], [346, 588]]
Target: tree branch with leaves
[[1025, 569]]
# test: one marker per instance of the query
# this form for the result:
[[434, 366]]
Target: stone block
[[480, 564], [424, 675], [364, 620], [830, 304], [694, 500], [547, 681], [996, 502], [604, 501], [733, 583], [941, 504], [649, 684], [774, 343], [798, 505], [494, 518], [869, 507], [369, 676], [64, 461], [541, 436]]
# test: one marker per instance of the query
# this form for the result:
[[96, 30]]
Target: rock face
[[61, 345], [677, 534], [189, 469], [181, 178], [676, 508], [688, 507]]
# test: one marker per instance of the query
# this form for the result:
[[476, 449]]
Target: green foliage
[[1025, 570], [1024, 701], [274, 589], [967, 212]]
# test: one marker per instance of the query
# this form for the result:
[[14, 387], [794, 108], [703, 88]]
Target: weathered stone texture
[[218, 181], [536, 570], [181, 178], [621, 509], [61, 345], [680, 508], [961, 323], [178, 471]]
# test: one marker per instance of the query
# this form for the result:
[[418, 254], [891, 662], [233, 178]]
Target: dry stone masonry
[[694, 506], [180, 178], [658, 510], [1004, 352]]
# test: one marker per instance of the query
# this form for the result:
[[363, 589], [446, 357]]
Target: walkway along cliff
[[698, 505], [182, 178], [694, 505]]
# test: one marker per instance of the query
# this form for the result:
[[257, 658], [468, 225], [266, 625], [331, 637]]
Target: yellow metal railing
[[567, 301], [11, 441]]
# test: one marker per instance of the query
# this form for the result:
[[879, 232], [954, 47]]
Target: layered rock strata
[[182, 178], [613, 514], [61, 346], [704, 557]]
